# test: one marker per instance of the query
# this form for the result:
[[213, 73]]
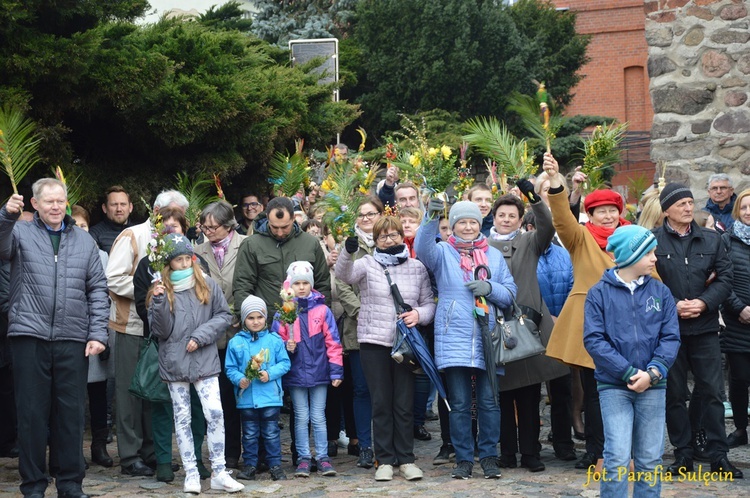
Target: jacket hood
[[261, 227], [314, 299], [253, 336], [610, 277]]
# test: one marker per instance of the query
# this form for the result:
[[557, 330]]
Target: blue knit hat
[[464, 209], [178, 245], [629, 244]]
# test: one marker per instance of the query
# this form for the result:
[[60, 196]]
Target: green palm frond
[[289, 173], [74, 186], [19, 144], [601, 151], [527, 108], [197, 189], [346, 186], [491, 138]]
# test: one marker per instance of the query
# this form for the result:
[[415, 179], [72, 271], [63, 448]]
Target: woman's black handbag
[[146, 382], [516, 337]]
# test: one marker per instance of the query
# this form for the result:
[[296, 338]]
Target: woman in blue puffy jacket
[[458, 340]]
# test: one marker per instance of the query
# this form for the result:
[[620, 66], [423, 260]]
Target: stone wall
[[699, 65]]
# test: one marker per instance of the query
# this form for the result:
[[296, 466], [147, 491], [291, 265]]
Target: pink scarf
[[472, 254], [220, 249]]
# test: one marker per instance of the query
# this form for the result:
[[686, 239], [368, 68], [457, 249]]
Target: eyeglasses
[[716, 188], [393, 236], [249, 205], [369, 216], [208, 229]]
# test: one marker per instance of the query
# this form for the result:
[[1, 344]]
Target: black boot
[[99, 448]]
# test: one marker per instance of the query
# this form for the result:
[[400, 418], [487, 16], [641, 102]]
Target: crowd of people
[[77, 309]]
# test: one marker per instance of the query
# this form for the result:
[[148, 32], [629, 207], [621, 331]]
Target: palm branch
[[601, 151], [73, 187], [197, 189], [346, 185], [528, 109], [491, 138], [19, 144], [288, 173]]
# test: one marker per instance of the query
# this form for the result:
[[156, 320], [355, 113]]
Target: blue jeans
[[310, 407], [488, 413], [257, 423], [362, 403], [633, 423]]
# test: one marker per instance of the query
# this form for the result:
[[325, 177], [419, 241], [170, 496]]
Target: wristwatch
[[654, 374]]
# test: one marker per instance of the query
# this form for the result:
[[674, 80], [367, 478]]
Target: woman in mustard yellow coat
[[586, 245]]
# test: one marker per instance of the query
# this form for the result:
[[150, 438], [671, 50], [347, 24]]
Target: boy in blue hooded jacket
[[259, 400], [631, 331]]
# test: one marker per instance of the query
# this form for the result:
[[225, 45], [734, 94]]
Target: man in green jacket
[[264, 257]]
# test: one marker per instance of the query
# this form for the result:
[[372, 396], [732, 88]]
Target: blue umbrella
[[414, 339], [423, 356]]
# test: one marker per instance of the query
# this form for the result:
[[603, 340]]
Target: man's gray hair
[[167, 197], [222, 212], [41, 184], [720, 177]]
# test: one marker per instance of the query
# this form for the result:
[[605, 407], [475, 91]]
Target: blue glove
[[479, 287]]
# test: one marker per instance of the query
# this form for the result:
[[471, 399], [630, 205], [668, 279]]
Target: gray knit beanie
[[253, 303], [464, 209]]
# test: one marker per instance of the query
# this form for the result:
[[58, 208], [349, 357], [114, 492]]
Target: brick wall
[[616, 80]]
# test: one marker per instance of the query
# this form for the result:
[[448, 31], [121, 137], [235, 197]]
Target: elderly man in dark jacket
[[694, 264], [58, 317]]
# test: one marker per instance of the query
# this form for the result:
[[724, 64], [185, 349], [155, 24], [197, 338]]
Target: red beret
[[602, 197]]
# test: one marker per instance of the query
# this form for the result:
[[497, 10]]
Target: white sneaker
[[342, 441], [728, 412], [192, 483], [224, 482], [384, 473], [410, 472]]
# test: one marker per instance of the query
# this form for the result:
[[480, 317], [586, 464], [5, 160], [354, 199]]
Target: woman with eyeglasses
[[220, 249], [735, 340], [391, 384], [369, 213]]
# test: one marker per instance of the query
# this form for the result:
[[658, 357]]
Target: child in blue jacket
[[258, 400], [630, 329]]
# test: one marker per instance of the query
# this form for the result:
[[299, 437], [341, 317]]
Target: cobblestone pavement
[[559, 479]]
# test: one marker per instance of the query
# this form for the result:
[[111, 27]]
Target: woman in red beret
[[587, 246]]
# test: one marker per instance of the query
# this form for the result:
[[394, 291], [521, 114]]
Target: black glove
[[527, 189], [435, 207], [479, 287], [104, 355], [351, 244]]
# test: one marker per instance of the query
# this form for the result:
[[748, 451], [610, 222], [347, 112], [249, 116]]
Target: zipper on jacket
[[54, 295]]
